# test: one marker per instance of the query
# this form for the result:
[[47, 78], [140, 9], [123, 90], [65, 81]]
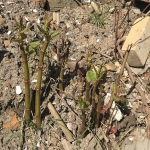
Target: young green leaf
[[41, 30], [23, 36], [24, 30], [124, 101], [114, 88], [35, 44], [17, 40], [116, 98], [31, 53], [90, 76], [31, 47], [55, 33], [83, 104], [101, 75]]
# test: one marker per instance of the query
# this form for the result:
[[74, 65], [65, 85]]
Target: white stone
[[18, 90], [38, 20], [34, 80], [117, 115], [34, 10], [9, 32]]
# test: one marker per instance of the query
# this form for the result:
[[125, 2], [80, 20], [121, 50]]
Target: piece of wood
[[64, 128]]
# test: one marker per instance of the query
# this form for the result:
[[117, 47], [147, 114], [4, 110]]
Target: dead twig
[[64, 128], [124, 135]]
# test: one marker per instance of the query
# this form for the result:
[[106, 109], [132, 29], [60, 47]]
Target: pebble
[[18, 89], [111, 10]]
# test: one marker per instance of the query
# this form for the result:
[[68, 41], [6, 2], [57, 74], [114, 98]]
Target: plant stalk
[[93, 101], [83, 124], [99, 105], [27, 84], [38, 86], [61, 78]]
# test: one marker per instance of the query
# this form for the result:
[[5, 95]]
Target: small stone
[[7, 85], [9, 32], [111, 10], [31, 18], [34, 10], [18, 90], [6, 43], [34, 80]]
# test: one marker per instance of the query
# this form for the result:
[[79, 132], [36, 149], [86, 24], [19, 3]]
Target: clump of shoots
[[28, 49], [96, 76]]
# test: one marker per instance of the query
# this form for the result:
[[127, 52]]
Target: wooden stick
[[60, 122]]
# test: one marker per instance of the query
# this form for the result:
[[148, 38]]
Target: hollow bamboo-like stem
[[83, 124], [87, 94], [99, 105], [94, 92], [27, 84], [93, 101], [61, 78], [38, 86]]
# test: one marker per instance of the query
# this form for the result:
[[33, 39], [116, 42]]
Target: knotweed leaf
[[31, 47], [101, 75], [42, 30], [54, 34], [24, 30], [90, 76]]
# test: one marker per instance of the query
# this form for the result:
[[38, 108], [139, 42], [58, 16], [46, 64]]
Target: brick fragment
[[139, 37]]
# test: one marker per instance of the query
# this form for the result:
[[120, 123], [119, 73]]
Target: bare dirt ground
[[127, 128]]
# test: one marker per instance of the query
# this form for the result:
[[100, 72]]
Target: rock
[[139, 39], [111, 10]]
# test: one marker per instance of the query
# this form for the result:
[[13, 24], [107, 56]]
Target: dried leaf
[[110, 67], [71, 65], [13, 124]]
